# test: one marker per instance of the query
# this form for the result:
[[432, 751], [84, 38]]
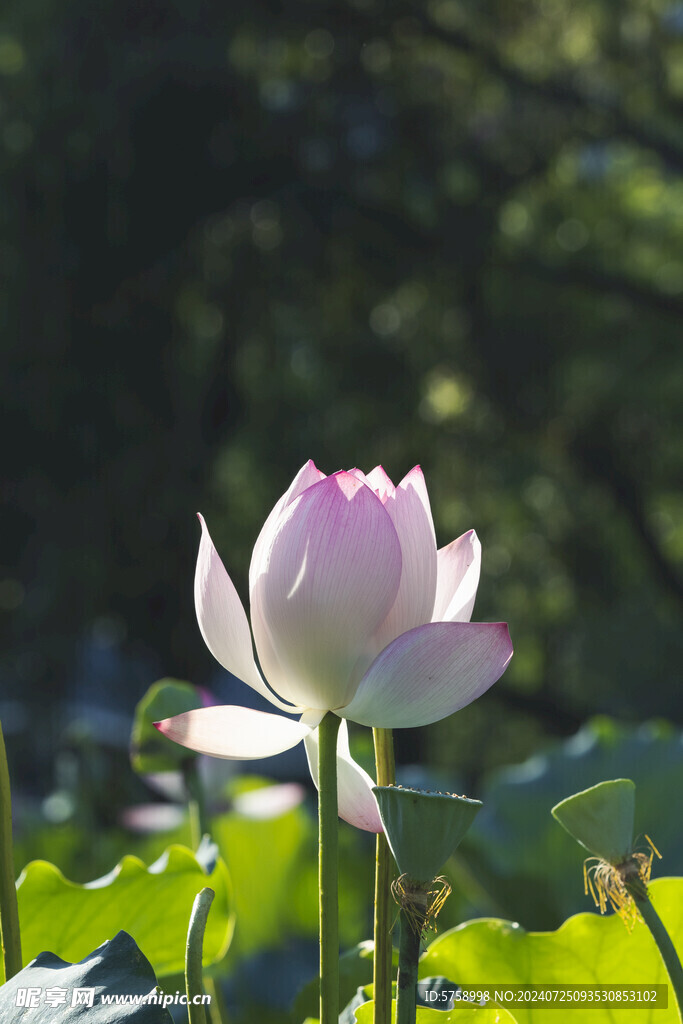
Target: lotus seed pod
[[601, 819], [423, 829]]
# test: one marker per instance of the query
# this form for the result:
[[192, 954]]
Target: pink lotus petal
[[430, 672], [410, 512], [381, 484], [169, 784], [223, 621], [357, 803], [269, 801], [149, 818], [329, 579], [360, 475], [459, 566], [308, 475], [233, 732]]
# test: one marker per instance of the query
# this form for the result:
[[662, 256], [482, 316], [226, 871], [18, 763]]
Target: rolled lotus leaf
[[601, 818], [423, 829]]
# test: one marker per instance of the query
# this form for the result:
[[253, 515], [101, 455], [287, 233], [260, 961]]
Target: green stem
[[218, 1011], [196, 804], [193, 954], [9, 912], [406, 982], [663, 941], [328, 856], [384, 869]]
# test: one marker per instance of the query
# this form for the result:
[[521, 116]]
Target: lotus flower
[[353, 610]]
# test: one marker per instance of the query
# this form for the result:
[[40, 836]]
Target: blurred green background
[[238, 237]]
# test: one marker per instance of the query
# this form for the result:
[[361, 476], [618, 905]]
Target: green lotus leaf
[[460, 1015], [116, 968], [423, 829], [586, 949], [601, 818], [150, 751], [153, 904]]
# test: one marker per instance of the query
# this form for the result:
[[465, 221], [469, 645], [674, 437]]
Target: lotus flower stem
[[662, 938], [328, 857], [9, 913], [381, 971], [193, 954]]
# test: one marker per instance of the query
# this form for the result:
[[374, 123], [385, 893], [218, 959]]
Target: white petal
[[430, 672], [360, 475], [381, 484], [233, 732], [411, 514], [223, 621], [328, 580], [357, 803], [269, 801], [459, 566], [308, 475]]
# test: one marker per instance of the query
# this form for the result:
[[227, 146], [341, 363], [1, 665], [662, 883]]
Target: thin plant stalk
[[661, 936], [218, 1011], [406, 982], [384, 868], [193, 955], [9, 912], [199, 827], [196, 803], [328, 869]]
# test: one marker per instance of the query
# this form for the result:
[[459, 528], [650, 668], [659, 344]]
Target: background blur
[[235, 237]]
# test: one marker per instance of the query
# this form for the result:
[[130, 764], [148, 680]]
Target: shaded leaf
[[150, 751], [533, 868], [116, 968]]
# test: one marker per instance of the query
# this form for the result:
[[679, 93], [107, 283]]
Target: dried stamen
[[610, 883], [421, 903]]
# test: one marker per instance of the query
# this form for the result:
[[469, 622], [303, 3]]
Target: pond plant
[[355, 616]]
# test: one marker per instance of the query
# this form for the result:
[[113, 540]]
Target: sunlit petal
[[308, 475], [223, 621], [411, 514], [329, 579], [429, 672], [381, 483], [459, 566], [233, 732], [357, 803]]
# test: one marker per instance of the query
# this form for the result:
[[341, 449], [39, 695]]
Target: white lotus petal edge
[[381, 483], [360, 475], [308, 475], [331, 575], [411, 514], [357, 803], [429, 672], [458, 570], [234, 732], [223, 621]]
